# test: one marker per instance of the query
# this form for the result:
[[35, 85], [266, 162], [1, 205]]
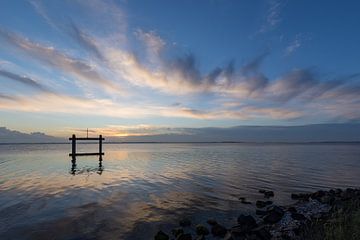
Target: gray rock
[[218, 230], [274, 215], [246, 222], [201, 230], [212, 222], [177, 231], [262, 204], [185, 222], [184, 236], [161, 236]]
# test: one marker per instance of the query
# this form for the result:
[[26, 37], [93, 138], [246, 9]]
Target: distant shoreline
[[222, 142]]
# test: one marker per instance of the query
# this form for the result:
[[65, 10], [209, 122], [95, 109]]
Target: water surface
[[141, 188]]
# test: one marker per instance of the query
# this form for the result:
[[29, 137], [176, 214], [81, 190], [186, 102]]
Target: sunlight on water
[[139, 188]]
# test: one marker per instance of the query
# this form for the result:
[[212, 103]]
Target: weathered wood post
[[73, 142], [100, 147]]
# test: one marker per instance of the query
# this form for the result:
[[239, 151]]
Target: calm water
[[141, 188]]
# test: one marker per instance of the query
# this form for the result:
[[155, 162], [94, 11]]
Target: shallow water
[[141, 188]]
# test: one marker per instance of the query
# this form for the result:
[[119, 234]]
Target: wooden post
[[73, 142], [100, 147]]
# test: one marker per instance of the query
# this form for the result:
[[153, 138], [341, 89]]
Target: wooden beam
[[87, 138], [86, 154]]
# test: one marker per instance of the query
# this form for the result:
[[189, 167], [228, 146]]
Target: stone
[[269, 194], [300, 196], [184, 236], [262, 204], [201, 237], [177, 231], [237, 232], [298, 216], [274, 215], [161, 236], [185, 222], [292, 210], [260, 212], [245, 202], [211, 222], [318, 195], [262, 233], [218, 230], [202, 230], [247, 222]]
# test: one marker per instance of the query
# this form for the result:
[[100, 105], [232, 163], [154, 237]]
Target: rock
[[260, 212], [236, 232], [161, 236], [218, 230], [274, 215], [318, 195], [292, 210], [262, 233], [211, 222], [185, 222], [242, 198], [300, 196], [298, 216], [245, 202], [247, 222], [228, 236], [201, 230], [268, 194], [184, 236], [261, 204], [177, 231], [202, 237]]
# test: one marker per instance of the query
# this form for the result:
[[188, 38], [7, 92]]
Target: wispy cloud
[[60, 60], [297, 43], [111, 65], [24, 80], [273, 17]]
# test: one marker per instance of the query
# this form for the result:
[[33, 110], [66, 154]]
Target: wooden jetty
[[74, 154]]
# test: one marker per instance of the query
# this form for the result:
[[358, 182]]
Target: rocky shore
[[308, 218]]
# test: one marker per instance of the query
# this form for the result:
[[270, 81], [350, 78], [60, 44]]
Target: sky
[[129, 68]]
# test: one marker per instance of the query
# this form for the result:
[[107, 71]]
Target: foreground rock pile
[[272, 222]]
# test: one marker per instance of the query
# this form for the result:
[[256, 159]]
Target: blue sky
[[145, 67]]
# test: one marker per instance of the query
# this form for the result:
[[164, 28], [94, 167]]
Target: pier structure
[[74, 154]]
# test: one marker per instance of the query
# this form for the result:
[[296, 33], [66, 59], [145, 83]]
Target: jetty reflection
[[76, 171]]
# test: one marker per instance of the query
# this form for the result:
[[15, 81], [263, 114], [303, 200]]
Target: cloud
[[293, 47], [273, 17], [24, 80], [59, 60], [110, 64], [154, 44], [7, 97], [40, 9], [86, 41]]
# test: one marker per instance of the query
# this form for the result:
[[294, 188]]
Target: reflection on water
[[75, 170], [140, 188]]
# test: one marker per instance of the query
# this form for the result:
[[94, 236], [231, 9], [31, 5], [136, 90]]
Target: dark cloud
[[254, 65], [308, 85], [187, 67], [24, 80], [7, 97], [85, 41]]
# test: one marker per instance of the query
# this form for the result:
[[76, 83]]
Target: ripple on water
[[147, 186]]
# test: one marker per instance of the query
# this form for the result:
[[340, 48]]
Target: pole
[[73, 143], [100, 147]]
